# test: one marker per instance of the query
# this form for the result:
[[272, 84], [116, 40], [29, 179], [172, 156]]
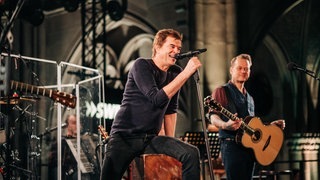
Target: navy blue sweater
[[144, 102]]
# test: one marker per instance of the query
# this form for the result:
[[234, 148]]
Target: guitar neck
[[31, 89], [233, 117], [228, 114], [68, 100]]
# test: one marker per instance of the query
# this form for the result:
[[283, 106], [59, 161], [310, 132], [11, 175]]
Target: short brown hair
[[161, 36]]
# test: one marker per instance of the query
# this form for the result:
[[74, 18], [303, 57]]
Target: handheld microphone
[[293, 66], [189, 54]]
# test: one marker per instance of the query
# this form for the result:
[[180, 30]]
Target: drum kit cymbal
[[7, 132], [16, 99], [26, 125]]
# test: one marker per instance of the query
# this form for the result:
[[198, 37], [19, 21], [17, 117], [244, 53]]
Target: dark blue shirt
[[235, 102], [144, 102]]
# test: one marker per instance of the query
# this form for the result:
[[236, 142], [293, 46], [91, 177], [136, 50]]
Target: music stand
[[197, 139]]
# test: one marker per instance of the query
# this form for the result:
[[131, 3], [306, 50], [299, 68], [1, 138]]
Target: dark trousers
[[121, 150], [238, 161]]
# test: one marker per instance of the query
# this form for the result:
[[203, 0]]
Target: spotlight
[[115, 10], [71, 5], [32, 12], [33, 16], [2, 2]]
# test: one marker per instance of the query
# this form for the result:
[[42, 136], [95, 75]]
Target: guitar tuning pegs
[[207, 100], [56, 103]]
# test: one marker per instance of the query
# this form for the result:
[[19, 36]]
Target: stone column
[[216, 31]]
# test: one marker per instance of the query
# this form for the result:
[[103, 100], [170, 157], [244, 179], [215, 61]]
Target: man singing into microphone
[[150, 99]]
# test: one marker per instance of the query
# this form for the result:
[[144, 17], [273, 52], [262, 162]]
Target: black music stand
[[197, 139]]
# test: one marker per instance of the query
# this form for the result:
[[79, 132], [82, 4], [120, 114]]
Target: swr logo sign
[[102, 110]]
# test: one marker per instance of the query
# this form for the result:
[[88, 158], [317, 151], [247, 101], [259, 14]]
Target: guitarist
[[238, 161]]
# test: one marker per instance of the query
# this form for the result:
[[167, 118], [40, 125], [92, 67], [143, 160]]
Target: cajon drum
[[156, 166]]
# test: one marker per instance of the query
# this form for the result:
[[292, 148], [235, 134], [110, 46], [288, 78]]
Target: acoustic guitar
[[66, 99], [265, 140]]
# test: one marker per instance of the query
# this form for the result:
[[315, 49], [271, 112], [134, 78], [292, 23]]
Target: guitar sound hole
[[256, 135]]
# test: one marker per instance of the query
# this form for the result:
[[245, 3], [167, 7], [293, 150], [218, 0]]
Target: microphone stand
[[204, 127], [4, 33], [310, 73], [292, 66], [47, 131], [10, 23]]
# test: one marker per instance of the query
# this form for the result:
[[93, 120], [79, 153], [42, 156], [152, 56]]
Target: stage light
[[115, 9], [32, 12], [71, 5], [34, 17], [2, 2]]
